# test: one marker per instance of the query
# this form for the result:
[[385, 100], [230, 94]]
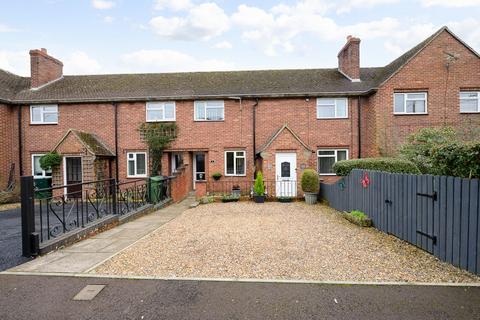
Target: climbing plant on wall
[[158, 137]]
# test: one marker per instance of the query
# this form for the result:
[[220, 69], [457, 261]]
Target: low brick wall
[[200, 189], [180, 185]]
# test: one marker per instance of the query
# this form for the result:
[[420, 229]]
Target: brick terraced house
[[235, 122]]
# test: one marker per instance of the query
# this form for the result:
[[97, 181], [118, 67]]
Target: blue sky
[[117, 36]]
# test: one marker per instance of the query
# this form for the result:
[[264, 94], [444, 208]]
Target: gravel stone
[[277, 241]]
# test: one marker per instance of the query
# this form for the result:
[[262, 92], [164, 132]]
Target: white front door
[[286, 174]]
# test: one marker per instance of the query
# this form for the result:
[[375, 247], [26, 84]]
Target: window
[[177, 161], [328, 157], [137, 164], [332, 108], [160, 111], [469, 101], [209, 111], [234, 163], [37, 171], [410, 103], [44, 114]]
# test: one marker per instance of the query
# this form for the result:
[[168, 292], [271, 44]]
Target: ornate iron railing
[[67, 208]]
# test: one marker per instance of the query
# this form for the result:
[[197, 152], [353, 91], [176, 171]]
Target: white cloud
[[170, 61], [176, 5], [103, 4], [79, 62], [5, 28], [108, 19], [203, 22], [347, 6], [223, 45], [468, 30], [450, 3], [405, 37], [15, 61]]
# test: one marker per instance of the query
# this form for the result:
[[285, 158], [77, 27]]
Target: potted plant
[[236, 190], [259, 189], [216, 176], [285, 199], [310, 186]]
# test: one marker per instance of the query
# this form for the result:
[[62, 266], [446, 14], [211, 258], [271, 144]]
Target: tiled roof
[[191, 85]]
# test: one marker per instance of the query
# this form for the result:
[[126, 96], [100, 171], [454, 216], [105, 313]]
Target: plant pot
[[236, 192], [258, 199], [311, 197], [284, 199]]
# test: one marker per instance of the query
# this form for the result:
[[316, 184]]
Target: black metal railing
[[70, 208], [245, 188]]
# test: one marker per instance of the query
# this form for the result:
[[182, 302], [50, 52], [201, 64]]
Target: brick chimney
[[349, 59], [44, 68]]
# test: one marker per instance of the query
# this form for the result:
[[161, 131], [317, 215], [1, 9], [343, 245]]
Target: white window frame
[[173, 163], [477, 99], [160, 105], [329, 156], [43, 112], [319, 104], [135, 165], [235, 157], [205, 104], [405, 99], [44, 175]]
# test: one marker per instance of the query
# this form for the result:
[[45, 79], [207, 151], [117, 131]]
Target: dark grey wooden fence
[[438, 214]]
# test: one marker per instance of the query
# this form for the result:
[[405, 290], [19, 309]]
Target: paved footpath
[[45, 297], [86, 254]]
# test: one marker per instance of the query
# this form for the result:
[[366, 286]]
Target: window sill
[[135, 177], [410, 114], [333, 118], [469, 112], [43, 123], [209, 120], [327, 174], [168, 120]]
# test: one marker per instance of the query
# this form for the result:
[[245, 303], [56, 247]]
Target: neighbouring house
[[235, 122]]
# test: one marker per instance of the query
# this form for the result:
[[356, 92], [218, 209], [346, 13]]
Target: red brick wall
[[9, 143], [180, 185], [427, 72]]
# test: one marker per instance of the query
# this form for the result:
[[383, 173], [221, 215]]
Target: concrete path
[[86, 254], [44, 297]]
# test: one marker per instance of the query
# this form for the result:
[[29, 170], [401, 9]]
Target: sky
[[136, 36]]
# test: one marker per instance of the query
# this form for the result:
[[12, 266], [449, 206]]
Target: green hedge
[[456, 159], [394, 165]]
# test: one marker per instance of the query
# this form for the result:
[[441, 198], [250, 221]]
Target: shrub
[[358, 218], [50, 160], [394, 165], [358, 214], [456, 159], [259, 186], [420, 145], [310, 182], [216, 175]]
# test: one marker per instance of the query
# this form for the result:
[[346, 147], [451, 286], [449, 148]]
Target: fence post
[[113, 184], [29, 245]]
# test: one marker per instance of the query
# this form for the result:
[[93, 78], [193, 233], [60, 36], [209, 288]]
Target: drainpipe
[[359, 131], [20, 145], [254, 116], [116, 140]]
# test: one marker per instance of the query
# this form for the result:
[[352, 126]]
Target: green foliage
[[158, 137], [456, 159], [420, 145], [310, 181], [216, 175], [444, 151], [394, 165], [50, 160], [259, 186], [230, 198], [358, 214]]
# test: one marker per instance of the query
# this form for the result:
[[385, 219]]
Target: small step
[[194, 204]]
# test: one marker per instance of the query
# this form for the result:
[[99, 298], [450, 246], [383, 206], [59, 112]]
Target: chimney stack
[[349, 59], [43, 68]]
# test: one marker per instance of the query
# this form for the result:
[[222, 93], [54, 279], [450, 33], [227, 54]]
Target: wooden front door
[[73, 176]]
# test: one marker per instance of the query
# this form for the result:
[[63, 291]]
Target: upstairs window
[[469, 102], [332, 108], [137, 164], [234, 163], [44, 114], [209, 110], [328, 157], [160, 111], [37, 170], [410, 103]]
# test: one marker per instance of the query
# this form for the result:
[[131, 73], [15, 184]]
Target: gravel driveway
[[277, 241]]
